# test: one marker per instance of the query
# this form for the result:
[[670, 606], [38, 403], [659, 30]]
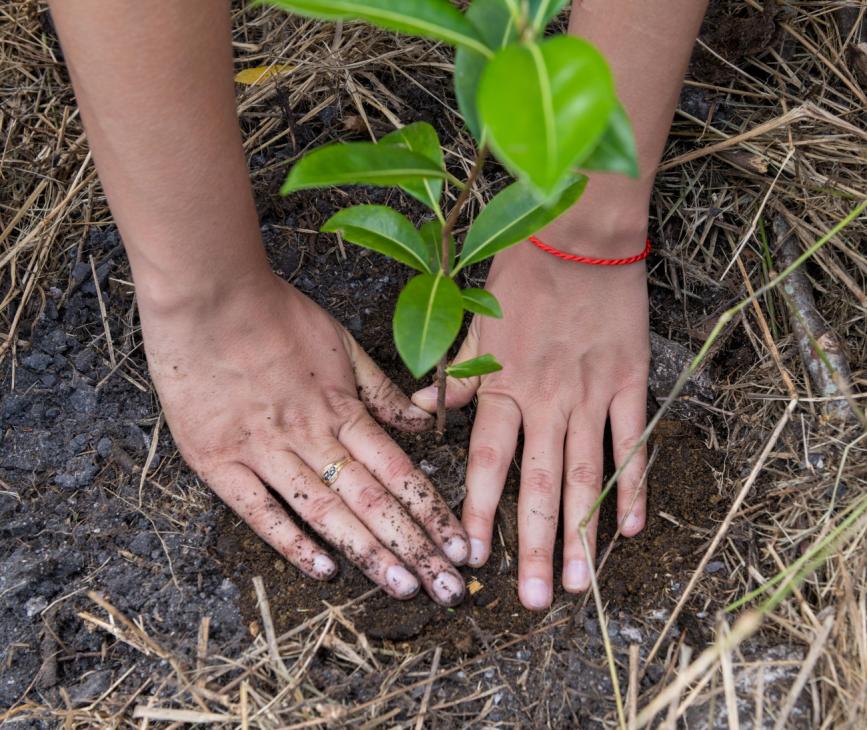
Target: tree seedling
[[545, 107]]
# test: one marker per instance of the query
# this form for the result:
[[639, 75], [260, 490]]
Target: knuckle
[[373, 498], [537, 555], [474, 513], [397, 467], [540, 481], [484, 457], [320, 507], [583, 474]]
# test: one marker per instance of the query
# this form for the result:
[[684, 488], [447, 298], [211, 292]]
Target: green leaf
[[381, 229], [511, 216], [616, 151], [360, 163], [543, 12], [481, 301], [432, 233], [427, 18], [495, 25], [560, 96], [426, 321], [422, 139], [481, 365]]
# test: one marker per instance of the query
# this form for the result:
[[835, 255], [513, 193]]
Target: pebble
[[35, 605], [715, 566]]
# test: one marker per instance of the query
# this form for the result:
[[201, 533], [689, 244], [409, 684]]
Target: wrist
[[609, 221], [167, 294]]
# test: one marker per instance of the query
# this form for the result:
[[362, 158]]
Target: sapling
[[544, 107]]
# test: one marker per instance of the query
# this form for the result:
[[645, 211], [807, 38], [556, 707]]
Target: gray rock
[[38, 361]]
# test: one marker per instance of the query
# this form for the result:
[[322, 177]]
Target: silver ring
[[332, 470]]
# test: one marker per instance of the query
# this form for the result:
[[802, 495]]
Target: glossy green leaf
[[436, 19], [543, 12], [481, 365], [481, 301], [427, 320], [422, 139], [616, 151], [381, 229], [511, 216], [560, 97], [360, 163], [495, 25], [432, 233]]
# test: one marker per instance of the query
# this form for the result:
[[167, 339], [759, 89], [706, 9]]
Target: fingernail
[[456, 549], [477, 552], [448, 588], [323, 566], [576, 577], [537, 593], [632, 522], [417, 414], [403, 582], [428, 394]]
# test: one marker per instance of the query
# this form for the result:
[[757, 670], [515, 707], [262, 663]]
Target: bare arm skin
[[259, 385], [574, 339]]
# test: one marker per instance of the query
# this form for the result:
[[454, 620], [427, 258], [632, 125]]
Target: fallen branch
[[818, 344]]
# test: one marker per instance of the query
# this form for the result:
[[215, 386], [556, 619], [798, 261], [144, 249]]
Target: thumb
[[383, 399], [459, 391]]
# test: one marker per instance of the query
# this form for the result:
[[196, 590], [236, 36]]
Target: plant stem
[[445, 265]]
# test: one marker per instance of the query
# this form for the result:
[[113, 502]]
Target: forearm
[[154, 85], [647, 44]]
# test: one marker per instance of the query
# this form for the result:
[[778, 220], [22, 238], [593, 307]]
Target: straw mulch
[[772, 130]]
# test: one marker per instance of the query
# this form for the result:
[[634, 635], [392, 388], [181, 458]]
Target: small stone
[[428, 468], [83, 399], [35, 605], [632, 634], [38, 361], [715, 566], [103, 447]]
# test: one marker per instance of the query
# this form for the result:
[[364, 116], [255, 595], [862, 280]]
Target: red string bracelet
[[588, 260]]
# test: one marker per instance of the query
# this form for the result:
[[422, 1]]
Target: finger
[[582, 483], [492, 448], [374, 448], [539, 507], [628, 414], [383, 399], [322, 509], [383, 515], [459, 391], [241, 490]]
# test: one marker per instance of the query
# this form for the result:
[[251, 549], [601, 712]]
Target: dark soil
[[642, 575], [74, 434]]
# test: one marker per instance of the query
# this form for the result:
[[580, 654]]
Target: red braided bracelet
[[586, 259]]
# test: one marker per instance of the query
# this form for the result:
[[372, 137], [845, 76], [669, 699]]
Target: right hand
[[264, 388]]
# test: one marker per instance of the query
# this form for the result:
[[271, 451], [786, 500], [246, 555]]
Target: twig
[[268, 626], [425, 701], [809, 328]]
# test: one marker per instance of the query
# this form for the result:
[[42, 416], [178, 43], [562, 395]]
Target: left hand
[[574, 345]]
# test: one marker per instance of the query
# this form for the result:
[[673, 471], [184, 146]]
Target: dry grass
[[789, 142]]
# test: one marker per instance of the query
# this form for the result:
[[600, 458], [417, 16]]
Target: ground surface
[[94, 496]]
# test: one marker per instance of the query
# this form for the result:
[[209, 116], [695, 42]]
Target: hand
[[263, 388], [574, 345]]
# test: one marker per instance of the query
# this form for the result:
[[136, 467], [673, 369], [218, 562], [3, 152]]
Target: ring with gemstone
[[332, 471]]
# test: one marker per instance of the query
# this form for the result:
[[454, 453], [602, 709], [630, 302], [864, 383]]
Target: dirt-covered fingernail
[[448, 588], [456, 549], [478, 552], [323, 566], [537, 593], [401, 580], [576, 576]]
